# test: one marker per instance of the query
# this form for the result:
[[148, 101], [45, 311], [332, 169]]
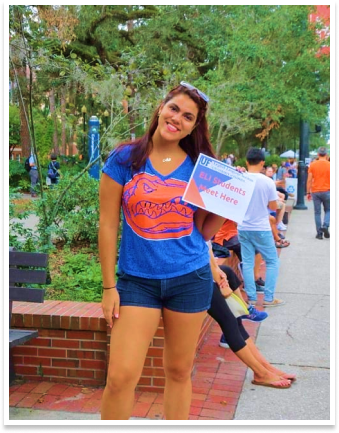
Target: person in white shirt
[[255, 232]]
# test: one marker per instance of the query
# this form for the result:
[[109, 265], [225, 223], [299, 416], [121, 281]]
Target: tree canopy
[[260, 66]]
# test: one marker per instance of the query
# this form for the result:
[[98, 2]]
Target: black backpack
[[27, 166]]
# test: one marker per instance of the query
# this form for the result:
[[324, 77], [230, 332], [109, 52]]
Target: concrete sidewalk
[[296, 336]]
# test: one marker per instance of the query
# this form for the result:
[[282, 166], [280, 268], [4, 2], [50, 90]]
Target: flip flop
[[291, 377], [278, 384], [282, 243]]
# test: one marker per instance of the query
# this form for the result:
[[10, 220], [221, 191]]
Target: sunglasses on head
[[190, 87]]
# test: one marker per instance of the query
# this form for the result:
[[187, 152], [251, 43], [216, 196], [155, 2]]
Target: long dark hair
[[193, 144]]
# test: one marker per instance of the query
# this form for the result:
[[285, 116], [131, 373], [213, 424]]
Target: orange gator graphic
[[150, 213]]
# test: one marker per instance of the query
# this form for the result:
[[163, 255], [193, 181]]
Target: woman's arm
[[218, 275], [110, 202], [208, 223]]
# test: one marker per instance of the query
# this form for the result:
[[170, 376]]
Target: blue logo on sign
[[204, 161]]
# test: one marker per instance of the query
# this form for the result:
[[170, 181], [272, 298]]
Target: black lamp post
[[303, 153], [302, 167], [84, 111]]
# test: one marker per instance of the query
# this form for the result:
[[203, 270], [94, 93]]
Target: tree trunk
[[23, 106], [131, 112], [24, 131], [244, 144], [220, 138], [63, 120], [53, 114]]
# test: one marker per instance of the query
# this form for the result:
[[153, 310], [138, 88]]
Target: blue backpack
[[52, 172]]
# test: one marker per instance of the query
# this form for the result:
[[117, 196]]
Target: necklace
[[167, 160]]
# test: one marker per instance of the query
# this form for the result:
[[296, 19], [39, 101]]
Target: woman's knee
[[121, 379], [178, 372]]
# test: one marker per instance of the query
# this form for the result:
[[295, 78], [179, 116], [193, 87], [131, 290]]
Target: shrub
[[77, 217], [71, 164], [78, 278], [241, 162], [17, 173], [273, 159], [20, 237]]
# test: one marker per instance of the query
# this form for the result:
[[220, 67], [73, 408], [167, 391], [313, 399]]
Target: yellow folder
[[237, 305]]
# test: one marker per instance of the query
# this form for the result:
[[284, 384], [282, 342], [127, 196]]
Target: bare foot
[[289, 376], [269, 378]]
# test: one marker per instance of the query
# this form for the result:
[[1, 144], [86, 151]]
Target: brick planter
[[73, 343]]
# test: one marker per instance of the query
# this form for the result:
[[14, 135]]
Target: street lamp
[[106, 114], [302, 167], [303, 153], [84, 111]]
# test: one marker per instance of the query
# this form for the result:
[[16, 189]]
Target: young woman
[[164, 265]]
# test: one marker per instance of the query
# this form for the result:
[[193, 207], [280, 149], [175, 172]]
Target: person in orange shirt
[[318, 185]]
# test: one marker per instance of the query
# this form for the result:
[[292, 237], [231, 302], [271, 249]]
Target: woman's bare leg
[[260, 372], [181, 337], [258, 355], [130, 338]]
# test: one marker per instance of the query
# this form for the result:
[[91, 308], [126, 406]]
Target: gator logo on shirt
[[150, 213]]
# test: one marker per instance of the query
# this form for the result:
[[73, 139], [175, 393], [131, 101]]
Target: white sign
[[219, 188], [291, 186]]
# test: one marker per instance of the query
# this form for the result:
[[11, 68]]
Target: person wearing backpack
[[33, 174], [53, 170]]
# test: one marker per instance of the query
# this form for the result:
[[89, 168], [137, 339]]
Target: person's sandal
[[282, 243], [278, 384], [291, 377]]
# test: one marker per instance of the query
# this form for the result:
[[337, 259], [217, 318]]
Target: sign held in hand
[[219, 188]]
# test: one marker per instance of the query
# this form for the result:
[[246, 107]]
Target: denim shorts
[[189, 293]]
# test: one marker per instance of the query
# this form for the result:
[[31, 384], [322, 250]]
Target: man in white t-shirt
[[255, 232]]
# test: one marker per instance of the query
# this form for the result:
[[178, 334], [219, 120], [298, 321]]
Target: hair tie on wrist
[[109, 288]]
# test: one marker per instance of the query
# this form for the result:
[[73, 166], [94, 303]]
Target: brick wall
[[73, 345]]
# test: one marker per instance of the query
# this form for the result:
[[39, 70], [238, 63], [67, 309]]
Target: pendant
[[167, 160]]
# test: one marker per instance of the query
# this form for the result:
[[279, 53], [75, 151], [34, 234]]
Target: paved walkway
[[295, 337]]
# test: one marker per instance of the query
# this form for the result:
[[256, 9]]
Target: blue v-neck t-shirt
[[159, 237]]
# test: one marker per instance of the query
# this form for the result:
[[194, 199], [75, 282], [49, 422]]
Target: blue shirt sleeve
[[116, 166]]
